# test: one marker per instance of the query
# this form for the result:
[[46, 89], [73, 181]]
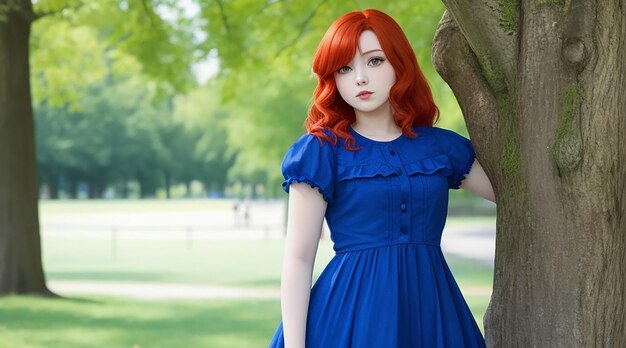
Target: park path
[[172, 291], [160, 291]]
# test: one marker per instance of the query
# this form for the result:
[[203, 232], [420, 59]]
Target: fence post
[[113, 242]]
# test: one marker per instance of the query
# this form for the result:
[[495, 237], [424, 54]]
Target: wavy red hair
[[410, 97]]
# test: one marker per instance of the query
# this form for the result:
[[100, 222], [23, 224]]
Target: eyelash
[[369, 62], [341, 70], [376, 58]]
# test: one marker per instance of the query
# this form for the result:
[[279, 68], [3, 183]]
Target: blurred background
[[160, 129]]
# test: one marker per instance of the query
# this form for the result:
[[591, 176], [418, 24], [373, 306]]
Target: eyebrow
[[370, 51]]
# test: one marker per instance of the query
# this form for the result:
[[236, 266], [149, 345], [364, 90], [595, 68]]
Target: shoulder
[[310, 160], [308, 140], [437, 131], [446, 138], [309, 148]]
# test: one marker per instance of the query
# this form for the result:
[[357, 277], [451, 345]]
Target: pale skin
[[368, 71]]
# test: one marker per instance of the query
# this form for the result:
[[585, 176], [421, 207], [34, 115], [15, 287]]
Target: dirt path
[[165, 291], [155, 290]]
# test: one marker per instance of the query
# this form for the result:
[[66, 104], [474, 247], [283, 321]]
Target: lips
[[364, 94]]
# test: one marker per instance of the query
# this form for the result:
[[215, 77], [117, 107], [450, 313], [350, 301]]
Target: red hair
[[410, 97]]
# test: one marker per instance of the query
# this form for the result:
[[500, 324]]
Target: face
[[366, 81]]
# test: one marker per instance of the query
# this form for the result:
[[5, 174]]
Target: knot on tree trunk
[[568, 152], [575, 53], [567, 148]]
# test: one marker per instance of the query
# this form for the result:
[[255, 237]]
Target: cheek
[[342, 86], [387, 77], [390, 76]]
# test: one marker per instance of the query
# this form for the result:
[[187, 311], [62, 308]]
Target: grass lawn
[[33, 322], [102, 321], [100, 206], [27, 322]]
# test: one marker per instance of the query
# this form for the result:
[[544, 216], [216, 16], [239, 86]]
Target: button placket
[[403, 205]]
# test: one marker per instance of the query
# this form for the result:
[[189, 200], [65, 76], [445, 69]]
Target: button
[[398, 170], [403, 230], [403, 206], [393, 153]]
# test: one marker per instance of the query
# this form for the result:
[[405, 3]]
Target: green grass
[[100, 206], [246, 263], [100, 321], [232, 263], [34, 322], [27, 322]]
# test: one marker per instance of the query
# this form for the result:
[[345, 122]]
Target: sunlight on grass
[[102, 321], [29, 321]]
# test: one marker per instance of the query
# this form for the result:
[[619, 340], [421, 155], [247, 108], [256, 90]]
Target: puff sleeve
[[461, 154], [310, 162]]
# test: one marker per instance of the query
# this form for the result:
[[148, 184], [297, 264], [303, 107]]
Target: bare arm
[[304, 224], [478, 183]]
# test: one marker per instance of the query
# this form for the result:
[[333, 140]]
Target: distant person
[[236, 212], [374, 165], [246, 215]]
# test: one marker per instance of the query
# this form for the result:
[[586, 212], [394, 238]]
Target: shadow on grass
[[267, 282], [156, 276], [107, 322]]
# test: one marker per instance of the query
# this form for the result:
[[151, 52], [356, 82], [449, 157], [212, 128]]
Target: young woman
[[375, 167]]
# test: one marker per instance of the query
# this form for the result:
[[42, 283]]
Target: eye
[[375, 61], [344, 70]]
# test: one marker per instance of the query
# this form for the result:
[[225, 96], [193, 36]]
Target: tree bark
[[21, 269], [552, 138]]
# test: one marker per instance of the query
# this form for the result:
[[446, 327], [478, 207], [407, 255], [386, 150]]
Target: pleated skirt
[[401, 295]]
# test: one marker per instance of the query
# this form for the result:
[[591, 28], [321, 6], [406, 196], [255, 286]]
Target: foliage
[[161, 46], [66, 60], [245, 118], [121, 133], [265, 52]]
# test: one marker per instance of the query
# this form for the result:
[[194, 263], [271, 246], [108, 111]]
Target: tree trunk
[[124, 189], [542, 86], [72, 188], [21, 269], [168, 183]]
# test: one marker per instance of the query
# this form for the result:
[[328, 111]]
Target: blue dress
[[388, 284]]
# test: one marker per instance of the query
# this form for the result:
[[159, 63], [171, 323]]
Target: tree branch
[[224, 18], [491, 29], [302, 28], [149, 11], [41, 14]]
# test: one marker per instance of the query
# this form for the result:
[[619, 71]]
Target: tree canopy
[[114, 90]]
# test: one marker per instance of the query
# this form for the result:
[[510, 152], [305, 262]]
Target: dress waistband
[[382, 245]]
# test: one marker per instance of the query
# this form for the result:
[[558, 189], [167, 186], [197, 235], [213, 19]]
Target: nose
[[361, 80], [361, 77]]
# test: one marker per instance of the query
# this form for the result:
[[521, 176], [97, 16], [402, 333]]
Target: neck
[[376, 122]]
